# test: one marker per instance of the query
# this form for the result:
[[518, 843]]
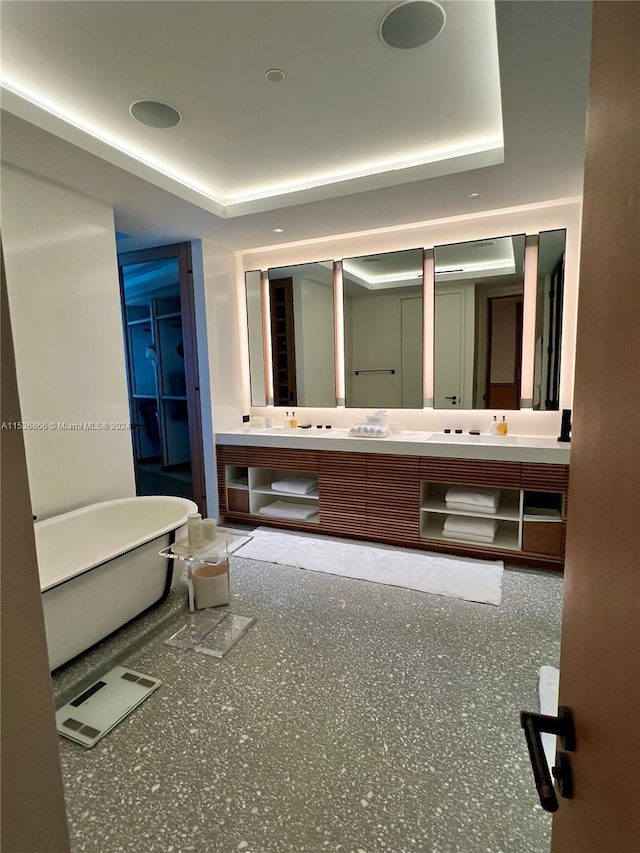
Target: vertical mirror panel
[[256, 338], [549, 305], [479, 295], [302, 334], [383, 315]]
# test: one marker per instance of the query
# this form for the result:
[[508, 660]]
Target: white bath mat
[[549, 688], [471, 580]]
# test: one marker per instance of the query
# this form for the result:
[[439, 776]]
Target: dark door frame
[[181, 251]]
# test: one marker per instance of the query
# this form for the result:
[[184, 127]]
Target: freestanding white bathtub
[[99, 568]]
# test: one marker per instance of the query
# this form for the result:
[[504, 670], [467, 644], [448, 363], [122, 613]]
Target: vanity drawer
[[545, 477], [238, 500], [543, 537], [471, 472]]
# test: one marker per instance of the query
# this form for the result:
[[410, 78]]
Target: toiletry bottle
[[195, 534], [293, 423], [493, 428], [502, 426], [287, 421]]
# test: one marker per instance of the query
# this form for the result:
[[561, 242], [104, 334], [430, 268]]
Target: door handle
[[562, 726], [453, 398]]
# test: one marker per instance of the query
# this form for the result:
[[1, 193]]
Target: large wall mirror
[[302, 334], [256, 337], [479, 295], [549, 305], [383, 311]]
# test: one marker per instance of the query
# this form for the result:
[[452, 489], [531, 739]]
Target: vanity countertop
[[514, 448]]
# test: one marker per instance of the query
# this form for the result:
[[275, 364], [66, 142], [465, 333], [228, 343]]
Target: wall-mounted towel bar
[[382, 370]]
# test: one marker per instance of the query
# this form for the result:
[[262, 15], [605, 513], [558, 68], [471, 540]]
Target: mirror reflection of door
[[453, 342], [504, 334], [479, 291]]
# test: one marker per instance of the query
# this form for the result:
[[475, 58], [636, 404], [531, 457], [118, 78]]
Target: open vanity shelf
[[400, 499], [434, 512], [248, 490]]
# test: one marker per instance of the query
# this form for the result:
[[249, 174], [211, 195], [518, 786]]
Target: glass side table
[[207, 567]]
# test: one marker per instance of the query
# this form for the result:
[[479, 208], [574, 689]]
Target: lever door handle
[[453, 398], [562, 726]]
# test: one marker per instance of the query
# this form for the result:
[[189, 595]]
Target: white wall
[[528, 219], [64, 298]]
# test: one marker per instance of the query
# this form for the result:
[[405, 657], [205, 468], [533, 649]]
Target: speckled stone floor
[[351, 717]]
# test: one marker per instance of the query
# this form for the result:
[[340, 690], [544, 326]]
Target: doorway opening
[[156, 287]]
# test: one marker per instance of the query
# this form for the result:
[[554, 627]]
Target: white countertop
[[514, 448]]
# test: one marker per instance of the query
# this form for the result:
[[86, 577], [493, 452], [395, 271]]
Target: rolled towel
[[470, 507], [295, 485], [468, 537], [485, 527], [283, 509], [478, 497]]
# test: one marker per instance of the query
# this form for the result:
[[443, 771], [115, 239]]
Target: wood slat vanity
[[394, 493]]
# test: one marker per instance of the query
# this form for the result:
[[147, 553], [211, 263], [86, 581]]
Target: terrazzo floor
[[351, 717]]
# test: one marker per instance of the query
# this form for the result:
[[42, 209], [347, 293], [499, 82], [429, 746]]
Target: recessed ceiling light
[[275, 75], [474, 195], [278, 230], [412, 24], [155, 113]]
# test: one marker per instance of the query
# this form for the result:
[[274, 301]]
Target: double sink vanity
[[431, 327], [394, 489]]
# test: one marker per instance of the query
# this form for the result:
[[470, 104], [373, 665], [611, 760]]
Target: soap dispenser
[[493, 427], [503, 426], [293, 423], [287, 421]]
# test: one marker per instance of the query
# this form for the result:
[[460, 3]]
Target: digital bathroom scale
[[87, 718]]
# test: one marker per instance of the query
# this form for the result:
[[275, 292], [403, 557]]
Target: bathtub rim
[[189, 507]]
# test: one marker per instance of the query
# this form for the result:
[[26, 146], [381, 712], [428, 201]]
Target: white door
[[454, 346]]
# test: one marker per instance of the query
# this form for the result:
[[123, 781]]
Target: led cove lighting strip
[[367, 170], [111, 141], [396, 164]]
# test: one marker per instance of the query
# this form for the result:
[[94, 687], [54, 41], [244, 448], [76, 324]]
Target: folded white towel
[[295, 485], [468, 537], [283, 509], [485, 527], [476, 496], [369, 431], [470, 507]]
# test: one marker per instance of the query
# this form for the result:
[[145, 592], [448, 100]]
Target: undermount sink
[[297, 431], [465, 438]]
